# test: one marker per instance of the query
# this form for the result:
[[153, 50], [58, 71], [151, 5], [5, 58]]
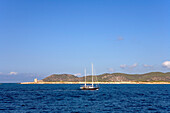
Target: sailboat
[[89, 87]]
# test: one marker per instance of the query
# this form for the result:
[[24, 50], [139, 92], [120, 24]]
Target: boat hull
[[84, 88]]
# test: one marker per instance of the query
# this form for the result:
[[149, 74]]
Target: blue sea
[[59, 98]]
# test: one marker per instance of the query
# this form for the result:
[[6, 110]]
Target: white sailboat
[[89, 87]]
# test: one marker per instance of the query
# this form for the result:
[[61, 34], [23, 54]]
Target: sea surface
[[59, 98]]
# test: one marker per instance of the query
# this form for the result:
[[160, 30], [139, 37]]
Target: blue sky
[[64, 36]]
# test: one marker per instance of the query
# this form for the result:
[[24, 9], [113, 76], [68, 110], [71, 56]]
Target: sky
[[42, 37]]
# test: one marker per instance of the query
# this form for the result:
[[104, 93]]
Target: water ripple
[[68, 98]]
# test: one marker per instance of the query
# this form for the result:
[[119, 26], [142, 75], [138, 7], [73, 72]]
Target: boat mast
[[92, 74], [85, 76]]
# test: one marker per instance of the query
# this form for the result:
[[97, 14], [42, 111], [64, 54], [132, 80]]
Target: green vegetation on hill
[[60, 78], [113, 77]]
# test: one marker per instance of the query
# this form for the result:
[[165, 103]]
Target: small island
[[107, 78]]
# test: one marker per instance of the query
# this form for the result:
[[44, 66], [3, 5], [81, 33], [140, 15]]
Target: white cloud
[[123, 66], [111, 70], [77, 74], [120, 38], [134, 65], [166, 64], [145, 65], [13, 73]]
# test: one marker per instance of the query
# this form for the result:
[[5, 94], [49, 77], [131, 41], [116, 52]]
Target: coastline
[[95, 82]]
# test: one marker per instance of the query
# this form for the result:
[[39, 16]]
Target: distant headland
[[107, 78]]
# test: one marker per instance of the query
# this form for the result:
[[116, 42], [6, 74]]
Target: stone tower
[[35, 80]]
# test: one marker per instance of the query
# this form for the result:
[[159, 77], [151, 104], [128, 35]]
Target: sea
[[68, 98]]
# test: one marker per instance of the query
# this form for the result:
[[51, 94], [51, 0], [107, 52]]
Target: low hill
[[60, 78], [112, 77]]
